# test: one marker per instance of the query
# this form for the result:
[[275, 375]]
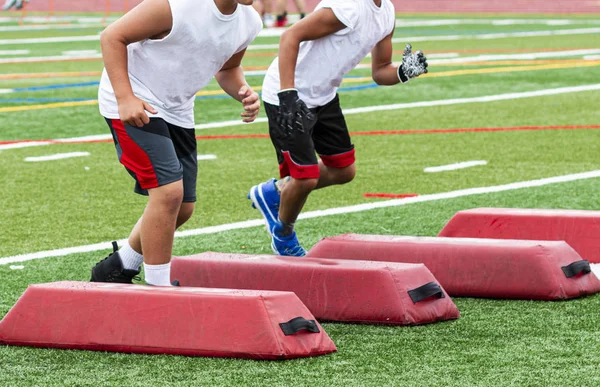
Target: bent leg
[[293, 197], [335, 176], [159, 222]]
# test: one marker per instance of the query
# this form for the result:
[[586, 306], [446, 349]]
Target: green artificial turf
[[87, 200]]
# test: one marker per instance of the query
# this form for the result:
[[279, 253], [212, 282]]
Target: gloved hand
[[294, 115], [412, 65]]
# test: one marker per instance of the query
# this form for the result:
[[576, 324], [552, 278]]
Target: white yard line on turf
[[24, 144], [400, 39], [79, 53], [368, 109], [49, 27], [206, 157], [14, 52], [58, 156], [440, 58], [526, 34], [321, 213], [490, 98], [6, 91], [453, 167], [57, 19], [400, 23], [56, 39], [53, 58], [523, 56]]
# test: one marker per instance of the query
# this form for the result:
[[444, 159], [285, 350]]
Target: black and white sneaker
[[110, 269]]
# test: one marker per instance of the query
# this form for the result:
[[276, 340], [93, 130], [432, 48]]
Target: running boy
[[157, 57], [299, 93]]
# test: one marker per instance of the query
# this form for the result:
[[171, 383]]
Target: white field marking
[[403, 39], [55, 58], [24, 144], [92, 138], [80, 52], [48, 27], [6, 91], [443, 55], [14, 52], [321, 213], [453, 167], [16, 267], [524, 56], [56, 39], [526, 34], [368, 109], [402, 23], [441, 58], [435, 56], [596, 269], [224, 124], [56, 19], [206, 157], [256, 47], [591, 57], [458, 101], [58, 156]]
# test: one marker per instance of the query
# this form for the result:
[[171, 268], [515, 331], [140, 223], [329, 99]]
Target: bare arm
[[384, 71], [232, 81], [317, 25], [150, 19]]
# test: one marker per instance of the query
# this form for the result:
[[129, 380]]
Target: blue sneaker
[[266, 199], [286, 246]]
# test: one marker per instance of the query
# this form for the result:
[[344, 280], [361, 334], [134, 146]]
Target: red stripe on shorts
[[297, 171], [135, 158], [342, 160]]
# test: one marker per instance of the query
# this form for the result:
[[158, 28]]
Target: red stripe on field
[[389, 195], [363, 133]]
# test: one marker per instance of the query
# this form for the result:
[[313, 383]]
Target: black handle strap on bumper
[[297, 324], [421, 293], [576, 268]]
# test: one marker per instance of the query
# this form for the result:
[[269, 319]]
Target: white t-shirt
[[167, 73], [322, 63]]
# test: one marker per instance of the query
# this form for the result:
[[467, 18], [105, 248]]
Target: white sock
[[158, 275], [132, 260]]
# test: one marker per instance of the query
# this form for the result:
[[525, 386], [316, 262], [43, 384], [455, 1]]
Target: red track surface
[[414, 6]]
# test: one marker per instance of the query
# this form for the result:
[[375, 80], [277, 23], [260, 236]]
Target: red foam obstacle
[[367, 292], [164, 320], [465, 267], [580, 229]]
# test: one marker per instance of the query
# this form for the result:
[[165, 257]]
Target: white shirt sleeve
[[346, 11]]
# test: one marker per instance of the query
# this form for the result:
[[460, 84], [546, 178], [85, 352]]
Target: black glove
[[294, 115], [412, 65]]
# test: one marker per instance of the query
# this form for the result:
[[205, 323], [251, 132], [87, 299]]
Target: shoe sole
[[254, 196], [276, 252]]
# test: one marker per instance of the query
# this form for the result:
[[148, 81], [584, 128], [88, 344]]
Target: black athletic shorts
[[328, 137], [157, 154]]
